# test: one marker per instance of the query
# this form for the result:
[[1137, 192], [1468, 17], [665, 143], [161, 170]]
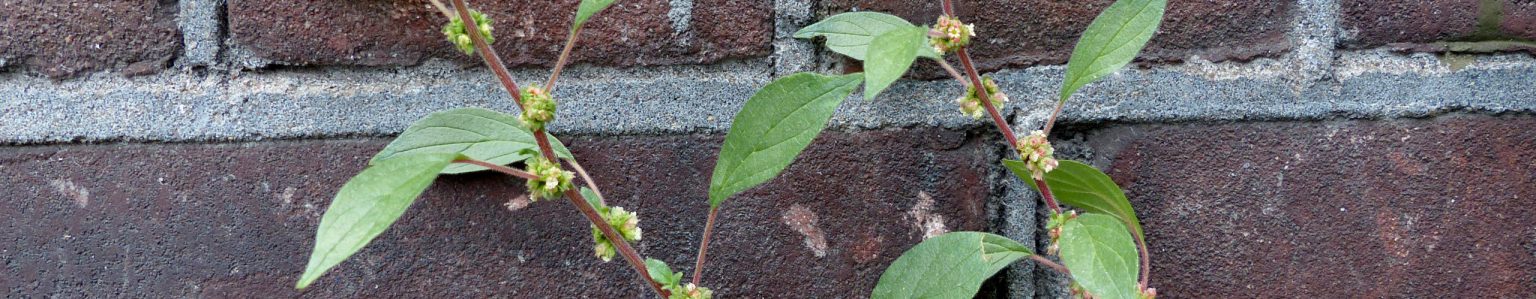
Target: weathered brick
[[1035, 32], [1416, 24], [236, 220], [60, 39], [528, 33], [1409, 208]]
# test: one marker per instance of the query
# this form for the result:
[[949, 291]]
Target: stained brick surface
[[1018, 33], [237, 220], [1373, 23], [396, 32], [1431, 209], [66, 38]]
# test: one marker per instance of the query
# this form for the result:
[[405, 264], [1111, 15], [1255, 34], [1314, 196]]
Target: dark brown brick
[[529, 33], [1410, 208], [237, 220], [1024, 33], [60, 39], [1415, 24]]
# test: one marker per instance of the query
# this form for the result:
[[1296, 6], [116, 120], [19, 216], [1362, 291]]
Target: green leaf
[[851, 33], [952, 265], [476, 133], [1101, 256], [367, 205], [1111, 41], [890, 55], [1086, 188], [661, 273], [777, 123], [594, 200], [587, 9]]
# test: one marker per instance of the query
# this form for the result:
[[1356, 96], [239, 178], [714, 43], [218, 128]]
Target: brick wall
[[1308, 148]]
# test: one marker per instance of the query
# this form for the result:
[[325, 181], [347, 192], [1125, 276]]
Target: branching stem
[[588, 179], [565, 55], [492, 60], [952, 72], [1047, 262]]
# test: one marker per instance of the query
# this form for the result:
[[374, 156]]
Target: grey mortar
[[680, 12], [201, 27]]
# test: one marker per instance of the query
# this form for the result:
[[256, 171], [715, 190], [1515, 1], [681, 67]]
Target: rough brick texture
[[1373, 23], [1409, 208], [528, 32], [237, 220], [60, 39], [1026, 33]]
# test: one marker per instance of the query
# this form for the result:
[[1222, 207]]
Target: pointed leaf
[[1111, 41], [952, 265], [587, 9], [773, 127], [890, 55], [661, 273], [367, 205], [1101, 256], [1086, 188], [476, 133], [851, 33]]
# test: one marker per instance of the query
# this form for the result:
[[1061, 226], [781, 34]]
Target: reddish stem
[[1052, 121], [986, 99], [949, 8], [570, 42], [1146, 260], [1045, 192], [709, 226], [499, 168], [1044, 261], [623, 247]]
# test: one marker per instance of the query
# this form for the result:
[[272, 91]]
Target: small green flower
[[689, 291], [1038, 154], [552, 180], [538, 108], [456, 34], [949, 34], [625, 222], [970, 104]]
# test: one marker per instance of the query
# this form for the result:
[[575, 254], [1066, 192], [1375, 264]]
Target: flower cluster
[[459, 37], [1038, 154], [552, 180], [970, 104], [1053, 227], [538, 108], [625, 222], [689, 291], [949, 34]]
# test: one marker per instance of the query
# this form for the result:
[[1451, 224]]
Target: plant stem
[[709, 226], [570, 42], [1052, 121], [588, 179], [949, 8], [986, 99], [499, 168], [618, 241], [1044, 261], [497, 66], [492, 60], [1045, 193], [952, 72], [447, 13]]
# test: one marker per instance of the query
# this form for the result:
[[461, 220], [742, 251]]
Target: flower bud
[[626, 223], [1039, 156], [949, 34], [460, 38], [538, 108], [552, 180], [689, 291], [971, 105]]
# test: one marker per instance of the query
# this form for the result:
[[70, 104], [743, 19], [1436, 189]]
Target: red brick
[[529, 33], [61, 39], [1025, 33], [1410, 208], [237, 220], [1415, 24]]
